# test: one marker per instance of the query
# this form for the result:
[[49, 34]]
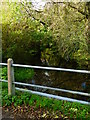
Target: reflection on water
[[64, 80]]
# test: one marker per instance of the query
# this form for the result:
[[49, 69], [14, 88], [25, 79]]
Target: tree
[[22, 35], [68, 23], [59, 31]]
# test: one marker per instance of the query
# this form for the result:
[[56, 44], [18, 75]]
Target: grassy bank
[[66, 109], [20, 100]]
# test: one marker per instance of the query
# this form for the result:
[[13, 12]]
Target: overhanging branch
[[83, 13], [30, 15]]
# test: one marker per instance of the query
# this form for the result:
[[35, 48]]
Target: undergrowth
[[68, 109], [71, 110], [21, 74]]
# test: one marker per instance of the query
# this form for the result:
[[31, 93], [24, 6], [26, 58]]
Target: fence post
[[11, 85]]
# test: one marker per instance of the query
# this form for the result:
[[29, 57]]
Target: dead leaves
[[32, 112]]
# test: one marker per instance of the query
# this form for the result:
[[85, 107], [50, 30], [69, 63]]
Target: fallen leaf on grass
[[7, 110], [56, 116], [44, 115], [65, 117]]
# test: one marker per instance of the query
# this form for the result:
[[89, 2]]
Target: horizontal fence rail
[[50, 88], [48, 68], [53, 96], [3, 81], [4, 64], [51, 68], [12, 83]]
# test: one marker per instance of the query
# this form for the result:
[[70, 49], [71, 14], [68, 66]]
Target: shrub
[[3, 73], [21, 74]]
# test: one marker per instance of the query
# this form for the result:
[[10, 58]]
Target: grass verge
[[67, 109]]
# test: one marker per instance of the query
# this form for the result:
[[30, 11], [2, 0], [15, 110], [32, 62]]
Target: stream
[[63, 80]]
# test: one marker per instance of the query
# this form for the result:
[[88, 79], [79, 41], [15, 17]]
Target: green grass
[[21, 74], [72, 110]]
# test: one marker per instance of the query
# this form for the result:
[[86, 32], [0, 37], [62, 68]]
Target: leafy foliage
[[67, 109], [69, 25], [59, 31], [21, 74], [23, 38], [3, 73]]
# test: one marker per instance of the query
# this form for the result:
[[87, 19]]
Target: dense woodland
[[59, 32]]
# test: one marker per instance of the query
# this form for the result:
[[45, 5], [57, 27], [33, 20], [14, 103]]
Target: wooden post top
[[10, 60]]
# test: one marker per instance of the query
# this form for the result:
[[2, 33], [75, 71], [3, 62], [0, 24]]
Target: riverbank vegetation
[[56, 36], [37, 106], [58, 32], [20, 74], [42, 107]]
